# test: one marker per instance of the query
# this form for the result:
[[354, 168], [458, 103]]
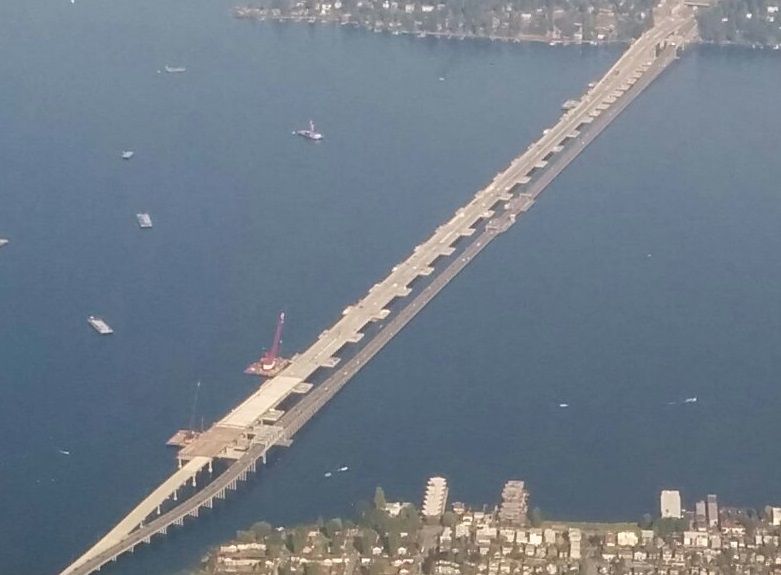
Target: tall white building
[[436, 497], [514, 503], [670, 504], [773, 515], [712, 507]]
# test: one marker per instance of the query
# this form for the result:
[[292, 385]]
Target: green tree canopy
[[297, 540], [379, 499], [261, 529], [332, 527]]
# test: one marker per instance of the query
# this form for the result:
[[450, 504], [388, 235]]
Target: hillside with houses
[[557, 21], [394, 538], [753, 23]]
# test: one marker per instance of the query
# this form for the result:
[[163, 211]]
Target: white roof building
[[670, 504], [773, 515], [626, 539]]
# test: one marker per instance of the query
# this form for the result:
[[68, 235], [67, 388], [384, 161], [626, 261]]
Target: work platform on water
[[258, 424], [271, 363]]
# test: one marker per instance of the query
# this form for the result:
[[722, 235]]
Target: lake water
[[647, 274]]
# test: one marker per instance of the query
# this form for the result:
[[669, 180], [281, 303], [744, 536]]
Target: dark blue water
[[648, 273]]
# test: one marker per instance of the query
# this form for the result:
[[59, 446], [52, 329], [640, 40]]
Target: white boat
[[344, 468], [3, 242], [690, 400], [563, 405], [64, 451], [310, 134], [175, 69], [127, 154], [99, 325], [144, 221], [327, 474]]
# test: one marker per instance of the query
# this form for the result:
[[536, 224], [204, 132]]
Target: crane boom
[[271, 355]]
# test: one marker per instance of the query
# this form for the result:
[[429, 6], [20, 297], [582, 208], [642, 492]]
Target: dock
[[182, 438]]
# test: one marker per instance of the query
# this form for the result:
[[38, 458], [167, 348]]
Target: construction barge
[[271, 363], [99, 325]]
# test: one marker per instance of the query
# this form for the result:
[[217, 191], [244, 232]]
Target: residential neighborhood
[[557, 22], [393, 538]]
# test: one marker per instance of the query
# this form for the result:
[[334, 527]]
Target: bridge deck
[[148, 506], [212, 442], [270, 394]]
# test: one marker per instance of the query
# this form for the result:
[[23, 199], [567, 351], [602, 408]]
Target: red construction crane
[[269, 359], [271, 363]]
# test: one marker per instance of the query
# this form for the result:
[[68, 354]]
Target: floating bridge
[[245, 435]]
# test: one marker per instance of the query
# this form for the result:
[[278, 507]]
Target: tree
[[261, 529], [392, 543], [245, 536], [362, 510], [449, 519], [277, 537], [339, 542], [379, 499], [646, 521], [332, 527], [409, 519], [273, 550], [666, 526], [366, 540], [750, 522], [535, 517], [297, 540]]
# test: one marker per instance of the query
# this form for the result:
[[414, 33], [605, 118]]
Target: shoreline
[[254, 14], [397, 538]]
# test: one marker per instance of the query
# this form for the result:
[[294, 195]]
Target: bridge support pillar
[[194, 485], [158, 510], [176, 496], [210, 467], [264, 458]]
